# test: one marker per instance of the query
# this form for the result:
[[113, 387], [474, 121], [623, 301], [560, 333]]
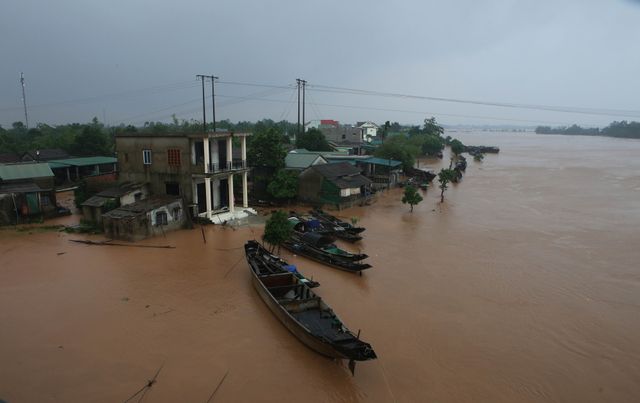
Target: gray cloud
[[573, 53]]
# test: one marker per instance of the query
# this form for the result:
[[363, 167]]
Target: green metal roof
[[82, 162], [301, 160], [24, 171], [382, 161]]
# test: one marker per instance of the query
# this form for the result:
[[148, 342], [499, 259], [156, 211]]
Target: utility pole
[[24, 101], [213, 101], [304, 86], [204, 113], [298, 82]]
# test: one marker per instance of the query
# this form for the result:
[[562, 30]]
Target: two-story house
[[199, 167]]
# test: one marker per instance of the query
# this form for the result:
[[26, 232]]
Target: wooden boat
[[267, 263], [310, 245], [326, 217], [306, 315], [313, 224]]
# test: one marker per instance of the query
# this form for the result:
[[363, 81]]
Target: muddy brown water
[[523, 287]]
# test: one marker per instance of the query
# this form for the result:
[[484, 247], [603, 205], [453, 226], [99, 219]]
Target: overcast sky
[[128, 61]]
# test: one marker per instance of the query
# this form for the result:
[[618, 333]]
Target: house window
[[146, 157], [172, 188], [126, 157], [173, 157], [161, 218], [344, 136]]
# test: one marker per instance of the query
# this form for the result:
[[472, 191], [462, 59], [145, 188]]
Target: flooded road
[[524, 286]]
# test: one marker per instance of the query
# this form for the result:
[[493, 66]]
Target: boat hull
[[292, 324]]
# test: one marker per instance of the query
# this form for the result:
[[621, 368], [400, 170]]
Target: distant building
[[27, 189], [200, 168], [45, 154], [369, 130], [145, 218], [339, 185]]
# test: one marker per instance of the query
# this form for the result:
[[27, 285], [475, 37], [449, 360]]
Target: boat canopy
[[315, 239]]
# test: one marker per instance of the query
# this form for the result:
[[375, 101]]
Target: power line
[[124, 94], [424, 113], [565, 109]]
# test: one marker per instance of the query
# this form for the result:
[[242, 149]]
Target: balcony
[[235, 165]]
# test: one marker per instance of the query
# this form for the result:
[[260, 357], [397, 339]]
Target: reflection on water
[[523, 286]]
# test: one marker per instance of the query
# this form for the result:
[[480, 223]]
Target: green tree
[[313, 140], [265, 149], [411, 196], [431, 127], [399, 148], [277, 230], [92, 141], [457, 147], [432, 145], [444, 177], [284, 185]]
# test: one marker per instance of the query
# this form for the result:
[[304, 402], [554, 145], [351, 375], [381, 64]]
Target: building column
[[207, 158], [207, 191], [77, 173], [97, 169], [244, 148], [245, 193], [229, 151], [194, 197], [68, 175], [230, 186]]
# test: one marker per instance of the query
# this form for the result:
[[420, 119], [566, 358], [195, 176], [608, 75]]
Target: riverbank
[[523, 286]]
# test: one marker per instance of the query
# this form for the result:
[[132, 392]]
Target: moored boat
[[268, 263], [326, 217], [311, 245], [305, 314]]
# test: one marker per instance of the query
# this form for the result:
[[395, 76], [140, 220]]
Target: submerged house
[[200, 168], [126, 193], [153, 216], [27, 189], [338, 184]]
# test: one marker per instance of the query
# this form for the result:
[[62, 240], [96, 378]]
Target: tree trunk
[[411, 208], [442, 196]]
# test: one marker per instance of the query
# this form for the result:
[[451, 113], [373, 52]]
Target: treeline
[[94, 138], [622, 129]]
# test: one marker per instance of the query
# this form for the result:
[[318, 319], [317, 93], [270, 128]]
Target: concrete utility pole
[[213, 78], [204, 113], [301, 84], [213, 101], [304, 86], [24, 101], [298, 82]]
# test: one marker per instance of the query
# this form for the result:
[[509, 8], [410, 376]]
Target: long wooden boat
[[305, 314], [268, 263], [328, 218], [309, 244], [317, 225]]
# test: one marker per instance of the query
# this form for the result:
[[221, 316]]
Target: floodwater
[[524, 286]]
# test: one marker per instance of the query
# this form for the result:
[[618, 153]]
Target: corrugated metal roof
[[302, 160], [21, 188], [82, 162], [11, 172], [382, 161]]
